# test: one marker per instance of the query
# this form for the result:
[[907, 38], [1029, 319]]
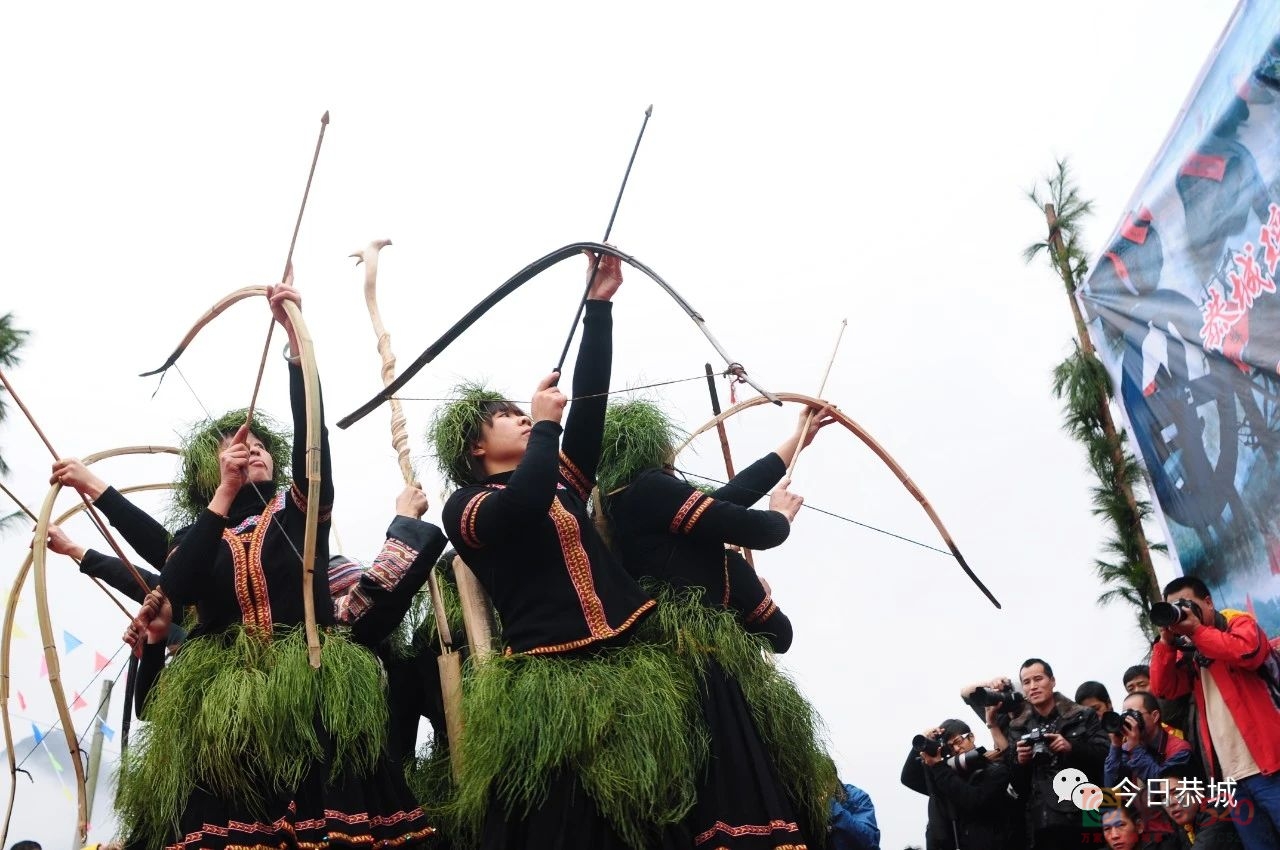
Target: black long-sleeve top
[[527, 535], [666, 529], [373, 609], [111, 571], [246, 567], [148, 538]]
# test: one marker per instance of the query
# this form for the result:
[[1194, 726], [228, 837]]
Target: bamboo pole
[[95, 744], [1063, 265]]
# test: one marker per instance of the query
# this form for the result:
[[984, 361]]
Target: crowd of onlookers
[[1188, 758]]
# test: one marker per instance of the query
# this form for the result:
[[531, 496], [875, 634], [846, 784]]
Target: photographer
[[1141, 751], [1216, 656], [1140, 747], [968, 803], [1051, 733]]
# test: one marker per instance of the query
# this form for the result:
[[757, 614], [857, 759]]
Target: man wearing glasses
[[967, 787]]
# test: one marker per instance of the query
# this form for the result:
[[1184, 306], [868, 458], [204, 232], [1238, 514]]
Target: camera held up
[[1114, 724], [964, 764], [1166, 614], [1008, 700]]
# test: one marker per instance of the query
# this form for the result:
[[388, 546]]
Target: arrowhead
[[324, 119], [648, 113]]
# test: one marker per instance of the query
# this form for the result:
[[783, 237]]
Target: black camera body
[[1039, 740], [1113, 723], [1008, 700], [1166, 614], [933, 746]]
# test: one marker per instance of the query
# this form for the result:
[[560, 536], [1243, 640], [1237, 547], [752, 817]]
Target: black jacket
[[979, 803], [1034, 782]]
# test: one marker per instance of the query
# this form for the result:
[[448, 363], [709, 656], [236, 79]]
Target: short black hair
[[1111, 803], [1149, 701], [1134, 672], [1048, 671], [1093, 690], [25, 845], [1195, 585]]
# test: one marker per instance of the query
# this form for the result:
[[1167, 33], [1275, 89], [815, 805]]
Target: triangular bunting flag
[[18, 632], [69, 641], [22, 701], [53, 761], [44, 668], [35, 732], [100, 661], [107, 731], [77, 702]]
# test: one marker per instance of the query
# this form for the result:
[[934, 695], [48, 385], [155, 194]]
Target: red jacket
[[1238, 651]]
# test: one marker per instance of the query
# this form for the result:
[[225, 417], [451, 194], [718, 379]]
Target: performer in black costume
[[764, 769], [579, 735], [247, 746]]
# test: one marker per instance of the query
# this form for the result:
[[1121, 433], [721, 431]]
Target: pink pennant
[[22, 701], [100, 661], [44, 667], [77, 702]]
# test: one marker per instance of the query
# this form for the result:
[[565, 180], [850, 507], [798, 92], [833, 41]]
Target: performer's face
[[261, 466], [504, 438]]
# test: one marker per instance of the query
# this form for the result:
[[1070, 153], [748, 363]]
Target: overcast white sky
[[805, 163]]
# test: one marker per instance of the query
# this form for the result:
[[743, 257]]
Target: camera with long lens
[[1166, 614], [1039, 741], [1113, 723], [1009, 700], [967, 763], [933, 746]]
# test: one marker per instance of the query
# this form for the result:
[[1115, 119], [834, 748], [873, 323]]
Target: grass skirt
[[625, 734], [243, 736]]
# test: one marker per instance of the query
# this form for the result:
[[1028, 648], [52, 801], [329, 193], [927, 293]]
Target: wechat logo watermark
[[1071, 784]]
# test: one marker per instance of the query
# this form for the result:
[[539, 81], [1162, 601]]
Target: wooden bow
[[37, 558], [522, 277], [315, 425], [862, 434]]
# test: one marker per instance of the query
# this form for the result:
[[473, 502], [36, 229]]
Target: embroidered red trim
[[678, 519], [748, 829], [578, 564], [570, 472], [578, 644], [468, 521]]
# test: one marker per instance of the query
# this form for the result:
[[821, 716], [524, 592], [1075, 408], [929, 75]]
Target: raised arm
[[752, 484], [375, 607], [661, 502], [105, 568], [185, 572], [140, 530], [298, 403], [584, 426], [476, 516]]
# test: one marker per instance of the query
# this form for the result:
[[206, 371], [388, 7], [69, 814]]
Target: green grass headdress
[[199, 476], [455, 428], [638, 435]]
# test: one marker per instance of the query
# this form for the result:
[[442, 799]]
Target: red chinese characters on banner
[[1226, 327]]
